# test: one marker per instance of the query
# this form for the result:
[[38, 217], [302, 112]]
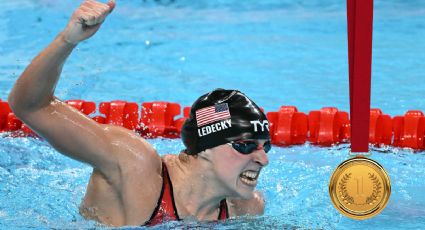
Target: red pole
[[360, 20]]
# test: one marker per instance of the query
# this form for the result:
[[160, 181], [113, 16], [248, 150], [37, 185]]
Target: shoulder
[[134, 154], [130, 144], [140, 179], [253, 206]]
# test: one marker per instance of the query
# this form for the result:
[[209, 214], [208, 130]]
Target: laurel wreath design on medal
[[343, 189], [355, 199], [376, 189], [342, 185]]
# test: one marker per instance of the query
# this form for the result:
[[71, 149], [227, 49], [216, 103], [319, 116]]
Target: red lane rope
[[288, 126], [360, 25]]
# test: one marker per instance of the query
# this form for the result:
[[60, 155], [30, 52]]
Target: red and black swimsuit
[[166, 208]]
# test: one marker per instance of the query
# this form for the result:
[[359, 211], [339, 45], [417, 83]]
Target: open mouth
[[249, 177]]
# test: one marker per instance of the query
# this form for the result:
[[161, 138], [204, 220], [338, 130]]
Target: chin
[[247, 195], [246, 192]]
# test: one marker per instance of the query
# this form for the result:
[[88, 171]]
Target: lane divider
[[328, 126], [325, 127], [158, 119], [409, 130], [288, 126]]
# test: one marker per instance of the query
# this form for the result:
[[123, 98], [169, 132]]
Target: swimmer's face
[[238, 172]]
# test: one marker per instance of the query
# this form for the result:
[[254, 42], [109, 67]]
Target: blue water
[[279, 52]]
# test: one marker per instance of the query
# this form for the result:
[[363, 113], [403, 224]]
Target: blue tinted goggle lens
[[247, 147]]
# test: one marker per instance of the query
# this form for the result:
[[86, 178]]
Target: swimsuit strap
[[224, 211], [166, 208]]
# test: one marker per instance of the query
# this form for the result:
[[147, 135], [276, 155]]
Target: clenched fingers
[[92, 13]]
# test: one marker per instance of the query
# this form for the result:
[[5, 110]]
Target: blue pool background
[[278, 52]]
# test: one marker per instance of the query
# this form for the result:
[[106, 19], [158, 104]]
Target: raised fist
[[86, 20]]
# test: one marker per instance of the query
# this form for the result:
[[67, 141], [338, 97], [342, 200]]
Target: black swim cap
[[222, 116]]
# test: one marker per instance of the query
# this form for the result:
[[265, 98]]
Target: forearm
[[35, 87]]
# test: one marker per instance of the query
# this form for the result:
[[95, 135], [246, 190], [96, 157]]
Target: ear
[[207, 155], [184, 157]]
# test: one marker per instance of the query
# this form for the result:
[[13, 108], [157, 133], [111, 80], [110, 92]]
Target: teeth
[[249, 182], [252, 175]]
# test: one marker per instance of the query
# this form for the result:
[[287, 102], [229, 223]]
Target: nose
[[260, 156]]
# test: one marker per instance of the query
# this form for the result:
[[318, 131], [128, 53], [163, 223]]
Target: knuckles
[[92, 12], [94, 8], [89, 14]]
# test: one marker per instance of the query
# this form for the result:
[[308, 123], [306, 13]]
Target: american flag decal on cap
[[211, 114]]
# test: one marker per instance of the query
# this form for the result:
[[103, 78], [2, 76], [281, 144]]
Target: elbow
[[13, 104], [20, 105]]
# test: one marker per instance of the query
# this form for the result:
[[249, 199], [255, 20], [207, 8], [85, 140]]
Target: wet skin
[[126, 180]]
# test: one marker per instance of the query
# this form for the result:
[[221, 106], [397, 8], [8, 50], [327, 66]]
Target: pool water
[[279, 52]]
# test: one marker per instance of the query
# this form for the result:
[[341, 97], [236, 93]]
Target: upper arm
[[76, 135], [253, 206]]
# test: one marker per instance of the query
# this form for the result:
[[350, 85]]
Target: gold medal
[[360, 188]]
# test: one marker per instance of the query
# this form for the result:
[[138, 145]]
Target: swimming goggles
[[247, 147]]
